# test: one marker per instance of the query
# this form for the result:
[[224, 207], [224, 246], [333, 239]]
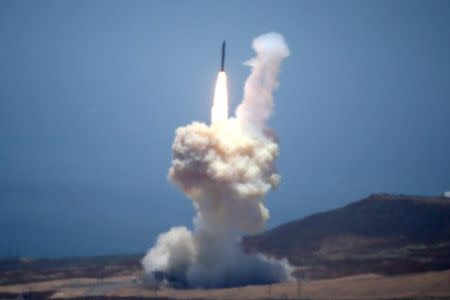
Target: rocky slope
[[382, 233]]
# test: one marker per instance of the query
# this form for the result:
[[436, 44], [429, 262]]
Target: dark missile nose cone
[[222, 65]]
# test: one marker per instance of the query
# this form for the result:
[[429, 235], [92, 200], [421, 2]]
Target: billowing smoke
[[226, 169], [257, 106]]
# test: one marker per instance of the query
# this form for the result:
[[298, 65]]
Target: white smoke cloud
[[257, 106], [226, 169]]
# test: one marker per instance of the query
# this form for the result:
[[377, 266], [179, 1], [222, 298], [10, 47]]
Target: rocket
[[223, 57]]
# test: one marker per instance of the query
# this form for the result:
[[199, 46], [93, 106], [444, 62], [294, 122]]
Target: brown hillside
[[382, 233]]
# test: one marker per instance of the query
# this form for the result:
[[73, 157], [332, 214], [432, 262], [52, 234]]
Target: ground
[[364, 286]]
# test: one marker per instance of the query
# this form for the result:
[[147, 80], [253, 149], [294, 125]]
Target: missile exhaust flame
[[219, 111]]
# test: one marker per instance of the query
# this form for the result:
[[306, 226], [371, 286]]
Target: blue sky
[[92, 91]]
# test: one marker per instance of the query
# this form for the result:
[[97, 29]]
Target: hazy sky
[[92, 91]]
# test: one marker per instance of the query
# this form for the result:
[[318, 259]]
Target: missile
[[223, 57]]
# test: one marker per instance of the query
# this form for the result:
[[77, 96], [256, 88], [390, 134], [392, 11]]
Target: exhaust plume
[[226, 169], [219, 111]]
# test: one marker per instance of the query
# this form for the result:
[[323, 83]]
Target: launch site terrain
[[381, 247]]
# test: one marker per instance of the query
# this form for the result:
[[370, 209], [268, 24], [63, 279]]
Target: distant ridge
[[382, 233], [22, 269]]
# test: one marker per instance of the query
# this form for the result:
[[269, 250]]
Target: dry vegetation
[[367, 286]]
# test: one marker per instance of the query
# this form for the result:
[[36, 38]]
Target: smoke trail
[[226, 169], [257, 106]]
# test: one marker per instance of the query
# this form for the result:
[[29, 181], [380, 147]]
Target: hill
[[387, 234]]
